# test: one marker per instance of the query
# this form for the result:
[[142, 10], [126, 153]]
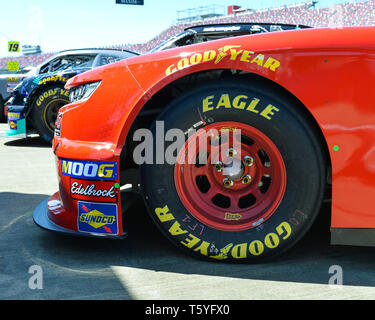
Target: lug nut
[[218, 166], [248, 161], [231, 152], [227, 182], [246, 179]]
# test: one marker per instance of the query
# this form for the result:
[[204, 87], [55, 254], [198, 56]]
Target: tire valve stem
[[248, 161], [227, 182], [246, 179], [218, 166]]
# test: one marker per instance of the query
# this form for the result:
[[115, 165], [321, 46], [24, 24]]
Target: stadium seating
[[344, 14]]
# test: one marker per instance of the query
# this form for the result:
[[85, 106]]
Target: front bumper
[[41, 219], [51, 208]]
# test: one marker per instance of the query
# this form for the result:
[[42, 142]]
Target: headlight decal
[[83, 92]]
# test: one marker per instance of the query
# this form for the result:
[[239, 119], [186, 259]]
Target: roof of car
[[240, 26], [96, 50]]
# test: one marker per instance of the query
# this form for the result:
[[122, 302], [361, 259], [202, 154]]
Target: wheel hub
[[244, 176], [233, 170]]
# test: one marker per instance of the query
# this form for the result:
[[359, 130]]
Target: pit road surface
[[146, 265]]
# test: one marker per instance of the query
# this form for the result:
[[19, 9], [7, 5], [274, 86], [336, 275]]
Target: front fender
[[330, 71]]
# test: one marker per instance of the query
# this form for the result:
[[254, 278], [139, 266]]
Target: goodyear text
[[230, 52], [237, 251]]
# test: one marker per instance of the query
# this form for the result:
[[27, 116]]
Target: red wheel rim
[[230, 151]]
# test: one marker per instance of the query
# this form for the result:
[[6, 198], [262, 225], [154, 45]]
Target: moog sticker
[[89, 169]]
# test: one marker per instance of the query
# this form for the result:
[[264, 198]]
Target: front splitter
[[41, 219]]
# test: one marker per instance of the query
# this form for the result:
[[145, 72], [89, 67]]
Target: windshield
[[68, 62], [72, 62], [176, 41]]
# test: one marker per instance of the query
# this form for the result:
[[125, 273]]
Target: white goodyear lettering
[[238, 251], [231, 52], [240, 102]]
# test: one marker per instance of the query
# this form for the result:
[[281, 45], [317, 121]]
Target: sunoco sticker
[[97, 217]]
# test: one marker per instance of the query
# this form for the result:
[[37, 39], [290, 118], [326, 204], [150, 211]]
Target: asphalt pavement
[[37, 264]]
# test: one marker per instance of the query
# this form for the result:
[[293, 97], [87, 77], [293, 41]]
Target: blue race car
[[35, 101]]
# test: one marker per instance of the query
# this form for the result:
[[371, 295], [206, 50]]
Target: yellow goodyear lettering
[[190, 241], [170, 69], [231, 52], [184, 62], [258, 60], [64, 92], [272, 64], [39, 101], [271, 240], [196, 58], [240, 102], [234, 54], [284, 230], [209, 55], [256, 247], [49, 93], [223, 252], [163, 214], [203, 248], [223, 52], [246, 56], [237, 251], [175, 229]]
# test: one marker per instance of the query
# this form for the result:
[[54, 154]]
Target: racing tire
[[246, 220], [45, 109]]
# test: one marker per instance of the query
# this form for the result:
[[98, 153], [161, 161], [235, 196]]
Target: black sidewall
[[292, 134], [41, 102]]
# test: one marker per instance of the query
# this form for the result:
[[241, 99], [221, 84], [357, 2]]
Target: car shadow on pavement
[[28, 142], [85, 264]]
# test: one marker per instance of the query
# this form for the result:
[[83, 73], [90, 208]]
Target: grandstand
[[344, 14], [200, 13]]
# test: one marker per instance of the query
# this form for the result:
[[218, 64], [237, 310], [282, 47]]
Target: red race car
[[231, 142]]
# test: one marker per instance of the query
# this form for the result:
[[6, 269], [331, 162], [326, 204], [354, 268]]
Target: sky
[[70, 24]]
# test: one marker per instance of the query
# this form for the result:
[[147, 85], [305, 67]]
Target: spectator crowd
[[344, 14]]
